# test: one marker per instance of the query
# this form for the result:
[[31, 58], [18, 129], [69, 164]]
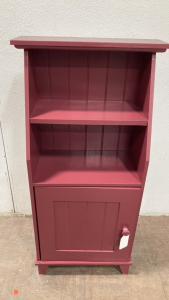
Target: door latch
[[125, 238]]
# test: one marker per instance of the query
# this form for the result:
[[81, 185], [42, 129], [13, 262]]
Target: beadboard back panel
[[88, 75], [79, 137]]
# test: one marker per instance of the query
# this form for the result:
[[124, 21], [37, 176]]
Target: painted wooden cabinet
[[88, 127]]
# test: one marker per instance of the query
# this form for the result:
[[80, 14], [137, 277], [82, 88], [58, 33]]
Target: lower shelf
[[91, 168]]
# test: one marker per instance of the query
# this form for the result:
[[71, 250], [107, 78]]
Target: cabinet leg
[[42, 269], [124, 269]]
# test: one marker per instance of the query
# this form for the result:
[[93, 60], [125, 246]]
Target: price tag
[[124, 241]]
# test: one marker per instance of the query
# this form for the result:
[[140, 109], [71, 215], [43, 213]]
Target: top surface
[[42, 41]]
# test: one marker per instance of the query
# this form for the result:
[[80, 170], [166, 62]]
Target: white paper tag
[[124, 241]]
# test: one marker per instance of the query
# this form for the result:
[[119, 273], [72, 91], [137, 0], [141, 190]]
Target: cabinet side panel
[[138, 149], [153, 62], [142, 141], [28, 151], [35, 145], [143, 97], [140, 146], [32, 81]]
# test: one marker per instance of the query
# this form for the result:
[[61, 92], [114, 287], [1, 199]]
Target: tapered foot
[[42, 269], [124, 269]]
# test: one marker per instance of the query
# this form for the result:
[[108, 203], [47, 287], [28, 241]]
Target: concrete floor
[[148, 277]]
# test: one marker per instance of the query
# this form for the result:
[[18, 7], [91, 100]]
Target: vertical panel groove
[[118, 140], [102, 139], [69, 130], [104, 218], [34, 67], [54, 223], [85, 139], [107, 77], [88, 67], [53, 143], [69, 78], [37, 224], [116, 233], [49, 71], [85, 225], [36, 82], [67, 225], [125, 79]]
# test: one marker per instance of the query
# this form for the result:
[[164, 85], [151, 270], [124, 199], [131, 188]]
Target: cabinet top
[[147, 45]]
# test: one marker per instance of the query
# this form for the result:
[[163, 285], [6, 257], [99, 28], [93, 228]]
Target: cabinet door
[[85, 224]]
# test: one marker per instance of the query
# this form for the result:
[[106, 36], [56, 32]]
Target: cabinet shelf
[[53, 111], [91, 168]]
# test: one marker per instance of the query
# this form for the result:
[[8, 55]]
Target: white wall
[[6, 203], [108, 18]]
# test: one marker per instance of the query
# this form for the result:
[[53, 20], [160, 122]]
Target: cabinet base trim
[[43, 265]]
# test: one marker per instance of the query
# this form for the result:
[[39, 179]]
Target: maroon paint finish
[[30, 157], [124, 269], [99, 87], [85, 224], [68, 42], [42, 269], [86, 155], [88, 109], [43, 265]]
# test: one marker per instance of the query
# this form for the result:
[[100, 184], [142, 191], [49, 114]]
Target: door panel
[[85, 223], [101, 222]]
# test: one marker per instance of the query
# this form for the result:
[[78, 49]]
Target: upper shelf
[[147, 45], [53, 111]]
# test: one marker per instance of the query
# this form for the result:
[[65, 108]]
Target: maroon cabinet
[[88, 128]]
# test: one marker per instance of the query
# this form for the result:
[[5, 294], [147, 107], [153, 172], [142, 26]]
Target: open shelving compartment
[[89, 87], [88, 114], [87, 155]]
